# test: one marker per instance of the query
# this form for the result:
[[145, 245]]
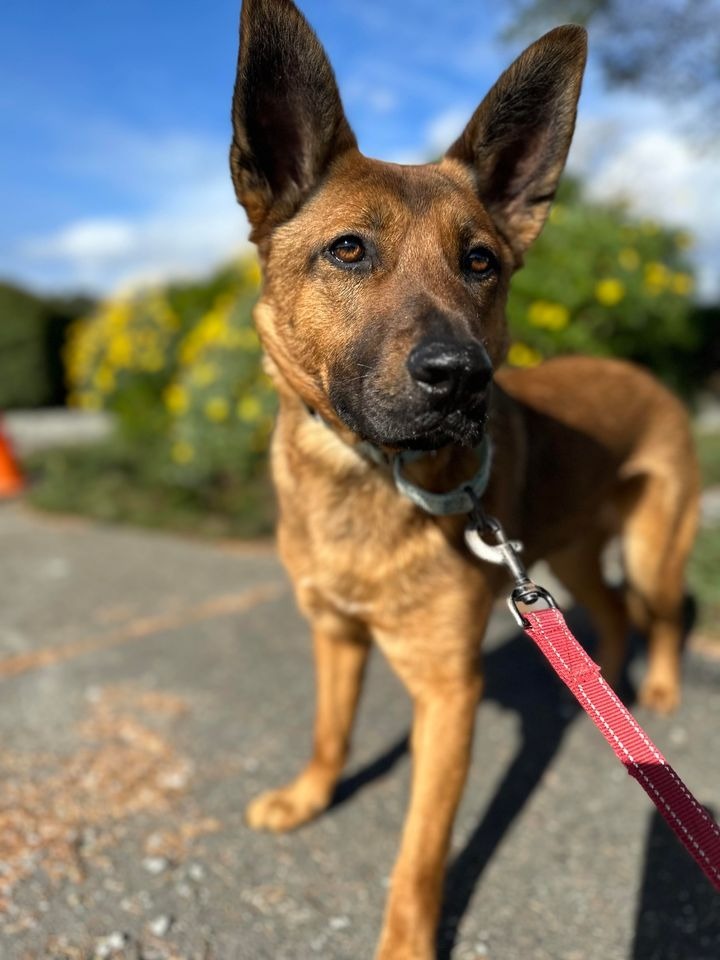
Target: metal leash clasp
[[504, 552]]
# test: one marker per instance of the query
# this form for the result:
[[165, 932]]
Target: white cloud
[[84, 239], [634, 155], [192, 225], [445, 128]]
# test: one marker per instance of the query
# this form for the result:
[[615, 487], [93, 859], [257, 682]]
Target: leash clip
[[504, 552]]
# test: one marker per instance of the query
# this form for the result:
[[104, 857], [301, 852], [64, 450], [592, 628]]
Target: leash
[[688, 819]]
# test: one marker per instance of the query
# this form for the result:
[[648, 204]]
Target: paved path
[[152, 685]]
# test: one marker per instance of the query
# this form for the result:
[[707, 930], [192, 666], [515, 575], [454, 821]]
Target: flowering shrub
[[220, 402], [181, 367], [598, 282], [181, 370], [119, 358]]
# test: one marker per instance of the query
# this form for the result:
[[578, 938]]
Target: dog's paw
[[286, 808], [660, 695]]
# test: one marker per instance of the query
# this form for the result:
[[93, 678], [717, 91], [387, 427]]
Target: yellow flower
[[209, 331], [152, 360], [609, 292], [176, 398], [629, 258], [521, 355], [557, 213], [657, 277], [116, 313], [549, 316], [682, 284], [249, 408], [217, 409], [104, 380], [182, 452], [204, 374], [120, 350]]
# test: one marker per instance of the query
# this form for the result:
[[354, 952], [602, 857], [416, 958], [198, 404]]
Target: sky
[[114, 129]]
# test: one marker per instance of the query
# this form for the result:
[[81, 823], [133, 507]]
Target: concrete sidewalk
[[152, 685]]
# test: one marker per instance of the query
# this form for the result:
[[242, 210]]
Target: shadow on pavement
[[678, 915], [380, 767], [518, 679]]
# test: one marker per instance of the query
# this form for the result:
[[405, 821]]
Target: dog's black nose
[[450, 369]]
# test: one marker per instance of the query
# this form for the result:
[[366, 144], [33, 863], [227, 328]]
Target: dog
[[382, 320]]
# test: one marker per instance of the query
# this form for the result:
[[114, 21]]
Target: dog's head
[[385, 285]]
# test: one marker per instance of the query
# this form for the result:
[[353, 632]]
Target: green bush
[[180, 368], [114, 482], [599, 282], [32, 333]]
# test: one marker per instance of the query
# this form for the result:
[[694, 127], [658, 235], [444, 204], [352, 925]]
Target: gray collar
[[462, 499]]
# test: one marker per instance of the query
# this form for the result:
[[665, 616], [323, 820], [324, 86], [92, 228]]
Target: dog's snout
[[450, 369]]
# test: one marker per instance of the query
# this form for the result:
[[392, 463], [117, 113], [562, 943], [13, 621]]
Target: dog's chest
[[353, 557], [367, 558]]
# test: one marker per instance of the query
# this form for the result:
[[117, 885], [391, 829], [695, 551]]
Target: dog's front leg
[[341, 649], [443, 722]]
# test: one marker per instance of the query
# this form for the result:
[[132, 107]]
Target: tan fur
[[585, 449]]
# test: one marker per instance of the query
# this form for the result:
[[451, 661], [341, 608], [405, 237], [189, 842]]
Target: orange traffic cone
[[11, 479]]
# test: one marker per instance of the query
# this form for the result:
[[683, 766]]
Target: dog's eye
[[480, 262], [347, 250]]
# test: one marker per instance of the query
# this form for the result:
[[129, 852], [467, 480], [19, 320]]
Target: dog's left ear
[[288, 121], [518, 138]]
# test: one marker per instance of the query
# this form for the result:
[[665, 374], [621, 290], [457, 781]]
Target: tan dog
[[383, 311]]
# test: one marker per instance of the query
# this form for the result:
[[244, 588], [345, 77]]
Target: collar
[[462, 499]]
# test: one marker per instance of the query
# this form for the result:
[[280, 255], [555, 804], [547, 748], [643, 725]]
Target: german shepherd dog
[[382, 319]]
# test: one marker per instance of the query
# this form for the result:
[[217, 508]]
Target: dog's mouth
[[400, 429]]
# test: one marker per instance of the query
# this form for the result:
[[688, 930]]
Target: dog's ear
[[288, 121], [518, 138]]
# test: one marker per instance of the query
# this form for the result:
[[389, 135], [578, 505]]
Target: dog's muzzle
[[440, 397], [451, 374]]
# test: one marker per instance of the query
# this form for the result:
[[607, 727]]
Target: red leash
[[641, 758], [690, 821]]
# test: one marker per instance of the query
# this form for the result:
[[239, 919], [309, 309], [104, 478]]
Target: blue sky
[[114, 120]]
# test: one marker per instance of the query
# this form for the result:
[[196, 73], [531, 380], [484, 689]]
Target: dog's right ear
[[288, 121]]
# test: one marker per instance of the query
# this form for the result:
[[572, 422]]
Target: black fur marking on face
[[396, 411]]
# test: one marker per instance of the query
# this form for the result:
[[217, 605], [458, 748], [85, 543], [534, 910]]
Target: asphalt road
[[152, 685]]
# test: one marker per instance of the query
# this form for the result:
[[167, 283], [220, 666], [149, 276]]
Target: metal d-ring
[[506, 553], [529, 594]]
